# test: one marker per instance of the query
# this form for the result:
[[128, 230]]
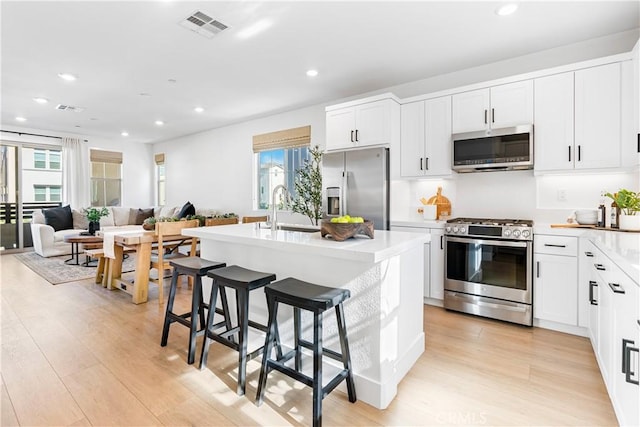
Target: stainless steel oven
[[488, 268]]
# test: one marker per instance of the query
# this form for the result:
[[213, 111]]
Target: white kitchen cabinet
[[555, 286], [597, 117], [425, 138], [362, 123], [587, 284], [625, 372], [434, 262], [553, 126], [491, 108]]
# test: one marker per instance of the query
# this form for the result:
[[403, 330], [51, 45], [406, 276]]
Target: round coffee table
[[76, 240]]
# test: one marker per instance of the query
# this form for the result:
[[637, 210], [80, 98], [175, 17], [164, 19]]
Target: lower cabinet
[[433, 261], [614, 329], [555, 285]]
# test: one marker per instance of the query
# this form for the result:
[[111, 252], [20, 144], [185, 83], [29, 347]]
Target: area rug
[[55, 271]]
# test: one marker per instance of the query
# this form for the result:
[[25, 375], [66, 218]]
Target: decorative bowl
[[340, 231]]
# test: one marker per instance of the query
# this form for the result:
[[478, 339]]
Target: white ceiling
[[122, 49]]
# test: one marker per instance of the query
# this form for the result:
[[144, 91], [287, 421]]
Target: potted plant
[[93, 216], [223, 219], [308, 185], [629, 204]]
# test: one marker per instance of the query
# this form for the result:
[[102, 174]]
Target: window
[[41, 156], [161, 196], [39, 159], [279, 155], [47, 193], [106, 178]]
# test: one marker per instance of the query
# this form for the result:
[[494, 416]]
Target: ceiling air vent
[[203, 24], [69, 108]]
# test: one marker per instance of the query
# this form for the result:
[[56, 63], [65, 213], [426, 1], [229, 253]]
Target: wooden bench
[[103, 269]]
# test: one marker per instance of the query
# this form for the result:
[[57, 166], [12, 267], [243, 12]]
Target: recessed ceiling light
[[20, 119], [41, 100], [312, 73], [144, 94], [507, 9], [67, 76], [159, 122], [254, 29], [198, 109], [124, 133]]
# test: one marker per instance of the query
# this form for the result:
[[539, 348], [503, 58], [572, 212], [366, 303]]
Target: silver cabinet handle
[[592, 284]]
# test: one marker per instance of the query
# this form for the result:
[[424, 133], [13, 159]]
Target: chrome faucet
[[274, 209]]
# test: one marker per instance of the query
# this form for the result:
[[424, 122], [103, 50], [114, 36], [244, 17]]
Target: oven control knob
[[507, 232], [516, 233], [526, 233], [463, 230], [447, 229], [455, 228]]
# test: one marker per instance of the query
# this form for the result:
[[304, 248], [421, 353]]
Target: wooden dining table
[[142, 243]]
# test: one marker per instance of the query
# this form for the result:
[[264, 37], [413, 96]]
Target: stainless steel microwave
[[493, 150]]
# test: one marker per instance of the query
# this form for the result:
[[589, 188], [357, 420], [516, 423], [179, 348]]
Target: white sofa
[[47, 242]]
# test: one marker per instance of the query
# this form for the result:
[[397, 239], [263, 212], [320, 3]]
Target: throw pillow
[[187, 209], [59, 218], [142, 215], [80, 220]]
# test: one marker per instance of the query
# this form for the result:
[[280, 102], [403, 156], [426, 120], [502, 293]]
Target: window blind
[[289, 138], [105, 156], [159, 158]]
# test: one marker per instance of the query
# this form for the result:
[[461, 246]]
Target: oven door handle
[[523, 244]]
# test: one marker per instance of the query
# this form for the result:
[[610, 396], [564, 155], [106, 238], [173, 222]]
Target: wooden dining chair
[[247, 219], [169, 236]]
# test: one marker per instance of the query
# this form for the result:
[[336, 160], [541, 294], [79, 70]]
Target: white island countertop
[[384, 245]]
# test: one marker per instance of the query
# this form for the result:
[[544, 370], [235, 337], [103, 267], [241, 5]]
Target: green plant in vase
[[93, 215], [308, 185], [629, 203]]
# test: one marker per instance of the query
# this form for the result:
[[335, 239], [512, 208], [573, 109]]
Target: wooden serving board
[[343, 231]]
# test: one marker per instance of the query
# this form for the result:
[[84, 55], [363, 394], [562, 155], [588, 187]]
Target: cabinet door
[[438, 136], [555, 289], [436, 261], [470, 111], [626, 394], [340, 128], [412, 139], [597, 117], [426, 254], [586, 258], [373, 123], [512, 104], [553, 129], [605, 329]]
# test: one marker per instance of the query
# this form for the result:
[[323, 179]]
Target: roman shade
[[106, 156], [289, 138]]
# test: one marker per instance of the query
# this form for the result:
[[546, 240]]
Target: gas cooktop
[[507, 229]]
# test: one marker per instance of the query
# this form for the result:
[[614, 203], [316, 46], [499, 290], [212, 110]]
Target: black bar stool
[[243, 281], [195, 267], [317, 299]]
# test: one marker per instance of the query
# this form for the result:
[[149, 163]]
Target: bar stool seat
[[316, 299], [243, 281], [197, 268]]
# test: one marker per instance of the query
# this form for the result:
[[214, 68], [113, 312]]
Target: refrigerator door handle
[[344, 195]]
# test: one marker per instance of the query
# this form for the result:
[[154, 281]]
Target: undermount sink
[[297, 227]]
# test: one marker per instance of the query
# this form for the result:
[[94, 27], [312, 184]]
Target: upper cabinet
[[597, 117], [491, 108], [425, 138], [371, 121], [578, 119]]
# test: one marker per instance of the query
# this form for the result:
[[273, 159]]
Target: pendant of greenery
[[308, 185]]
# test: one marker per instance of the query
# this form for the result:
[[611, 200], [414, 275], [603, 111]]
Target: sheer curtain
[[75, 173]]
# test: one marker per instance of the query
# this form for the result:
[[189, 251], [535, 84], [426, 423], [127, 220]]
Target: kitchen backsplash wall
[[513, 194]]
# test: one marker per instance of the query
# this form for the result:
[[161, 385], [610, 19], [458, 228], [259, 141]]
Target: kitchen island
[[385, 275]]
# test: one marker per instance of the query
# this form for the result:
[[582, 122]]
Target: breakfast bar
[[385, 276]]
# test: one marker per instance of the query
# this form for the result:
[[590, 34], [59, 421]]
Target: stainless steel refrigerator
[[356, 182]]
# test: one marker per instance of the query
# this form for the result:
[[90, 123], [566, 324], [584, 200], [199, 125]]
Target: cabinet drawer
[[556, 245]]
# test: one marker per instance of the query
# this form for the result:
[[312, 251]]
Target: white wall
[[215, 169], [138, 172]]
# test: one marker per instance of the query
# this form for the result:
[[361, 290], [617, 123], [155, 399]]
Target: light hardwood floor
[[78, 354]]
